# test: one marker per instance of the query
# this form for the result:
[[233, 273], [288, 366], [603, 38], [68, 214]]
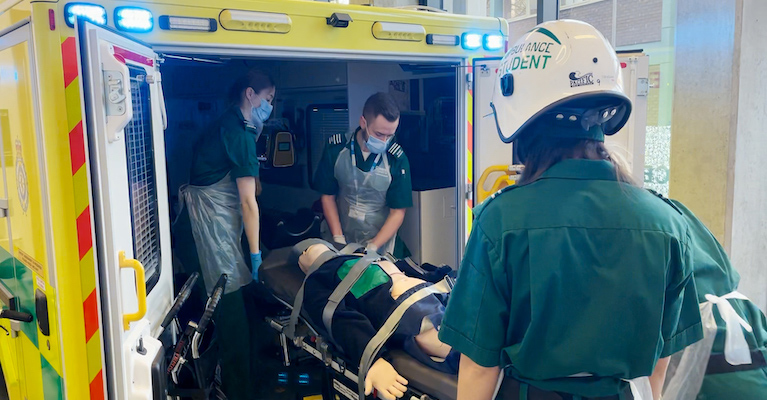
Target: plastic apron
[[687, 378], [362, 197], [217, 226]]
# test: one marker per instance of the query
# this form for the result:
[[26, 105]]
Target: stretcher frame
[[325, 351]]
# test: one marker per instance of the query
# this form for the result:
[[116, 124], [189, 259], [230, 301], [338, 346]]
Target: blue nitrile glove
[[255, 262]]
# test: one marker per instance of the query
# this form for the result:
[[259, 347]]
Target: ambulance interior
[[316, 99]]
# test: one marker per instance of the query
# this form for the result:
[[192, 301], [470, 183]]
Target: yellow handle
[[140, 288], [509, 178]]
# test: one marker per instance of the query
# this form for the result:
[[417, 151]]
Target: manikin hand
[[382, 376]]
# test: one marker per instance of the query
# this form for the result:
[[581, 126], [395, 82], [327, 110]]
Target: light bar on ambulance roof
[[91, 12], [443, 40], [471, 41], [255, 21], [493, 41], [133, 19], [398, 31], [174, 23]]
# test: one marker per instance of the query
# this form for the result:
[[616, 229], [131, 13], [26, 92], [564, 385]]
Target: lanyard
[[354, 157]]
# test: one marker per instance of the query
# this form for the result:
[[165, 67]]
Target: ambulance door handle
[[16, 318], [116, 92], [16, 315], [3, 208], [140, 289], [12, 313]]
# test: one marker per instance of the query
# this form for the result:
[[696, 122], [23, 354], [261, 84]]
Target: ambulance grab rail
[[140, 289], [510, 174]]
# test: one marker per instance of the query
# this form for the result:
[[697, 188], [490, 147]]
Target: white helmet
[[564, 71]]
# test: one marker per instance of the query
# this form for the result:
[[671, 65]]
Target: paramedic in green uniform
[[734, 371], [574, 281], [365, 180], [221, 203]]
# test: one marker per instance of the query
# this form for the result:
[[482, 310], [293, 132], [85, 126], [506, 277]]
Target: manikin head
[[310, 255]]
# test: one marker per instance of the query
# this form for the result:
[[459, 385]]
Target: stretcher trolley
[[192, 365], [345, 377]]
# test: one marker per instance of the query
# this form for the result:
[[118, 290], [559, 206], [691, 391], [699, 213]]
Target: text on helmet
[[528, 61]]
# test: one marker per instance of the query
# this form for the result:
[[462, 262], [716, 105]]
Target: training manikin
[[367, 306]]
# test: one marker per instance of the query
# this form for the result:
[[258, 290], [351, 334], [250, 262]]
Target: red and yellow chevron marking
[[83, 218]]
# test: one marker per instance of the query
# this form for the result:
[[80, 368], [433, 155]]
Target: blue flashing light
[[493, 42], [90, 12], [133, 19], [471, 41]]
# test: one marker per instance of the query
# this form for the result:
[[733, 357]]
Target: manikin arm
[[385, 380]]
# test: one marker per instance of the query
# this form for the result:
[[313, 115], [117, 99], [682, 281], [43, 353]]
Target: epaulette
[[250, 127], [481, 206], [396, 150], [336, 139], [665, 200]]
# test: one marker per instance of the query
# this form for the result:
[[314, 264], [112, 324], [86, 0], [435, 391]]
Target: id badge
[[354, 213]]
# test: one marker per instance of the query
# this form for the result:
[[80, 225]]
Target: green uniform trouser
[[743, 385], [233, 329], [234, 350]]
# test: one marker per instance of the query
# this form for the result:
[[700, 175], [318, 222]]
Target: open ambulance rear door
[[125, 117], [629, 142], [489, 153], [485, 150]]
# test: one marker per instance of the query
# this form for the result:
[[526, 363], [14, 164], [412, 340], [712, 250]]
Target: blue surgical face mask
[[375, 145], [262, 112]]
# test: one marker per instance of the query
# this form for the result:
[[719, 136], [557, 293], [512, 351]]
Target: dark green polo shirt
[[715, 275], [227, 146], [400, 192], [574, 273]]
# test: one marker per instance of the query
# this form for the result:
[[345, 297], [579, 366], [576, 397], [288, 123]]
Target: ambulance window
[[141, 180]]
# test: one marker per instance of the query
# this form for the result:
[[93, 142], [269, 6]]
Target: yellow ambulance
[[99, 103]]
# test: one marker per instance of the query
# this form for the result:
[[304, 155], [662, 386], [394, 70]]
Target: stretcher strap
[[342, 289], [350, 249], [375, 344], [290, 330]]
